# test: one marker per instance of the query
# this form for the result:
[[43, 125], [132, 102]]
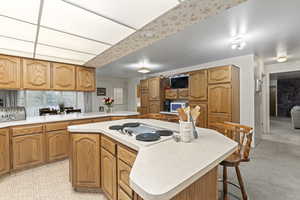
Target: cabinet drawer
[[108, 144], [126, 155], [122, 195], [123, 177], [56, 126], [83, 121], [27, 130]]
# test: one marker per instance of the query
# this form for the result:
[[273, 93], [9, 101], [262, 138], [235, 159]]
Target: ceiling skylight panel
[[16, 47], [62, 53], [27, 10], [58, 39], [68, 18], [136, 13], [16, 29]]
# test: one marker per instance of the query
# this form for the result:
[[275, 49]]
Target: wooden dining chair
[[243, 136]]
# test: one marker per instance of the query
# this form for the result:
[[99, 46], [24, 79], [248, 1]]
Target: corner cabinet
[[63, 77], [85, 79], [4, 151], [198, 86], [10, 72], [36, 74], [85, 161]]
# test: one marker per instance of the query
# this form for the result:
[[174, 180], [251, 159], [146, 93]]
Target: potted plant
[[108, 102]]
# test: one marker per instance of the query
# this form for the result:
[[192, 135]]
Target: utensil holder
[[186, 129]]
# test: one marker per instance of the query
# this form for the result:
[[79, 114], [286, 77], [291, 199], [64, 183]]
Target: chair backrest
[[241, 134]]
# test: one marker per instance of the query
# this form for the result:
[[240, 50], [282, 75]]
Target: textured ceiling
[[187, 13]]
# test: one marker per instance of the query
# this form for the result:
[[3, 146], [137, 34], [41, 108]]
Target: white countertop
[[66, 117], [164, 169], [168, 113]]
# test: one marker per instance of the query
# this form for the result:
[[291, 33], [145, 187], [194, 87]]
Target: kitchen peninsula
[[124, 168]]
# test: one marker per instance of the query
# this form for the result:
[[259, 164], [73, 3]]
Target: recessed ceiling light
[[238, 43], [282, 59], [144, 70]]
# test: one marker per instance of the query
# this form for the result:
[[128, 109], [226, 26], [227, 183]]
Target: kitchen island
[[125, 168]]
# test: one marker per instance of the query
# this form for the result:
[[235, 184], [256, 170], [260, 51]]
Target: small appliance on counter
[[8, 114]]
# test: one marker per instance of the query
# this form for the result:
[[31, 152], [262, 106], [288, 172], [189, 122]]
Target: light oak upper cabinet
[[154, 88], [63, 76], [28, 150], [10, 72], [36, 74], [198, 86], [220, 99], [109, 174], [4, 151], [219, 75], [86, 160], [85, 79]]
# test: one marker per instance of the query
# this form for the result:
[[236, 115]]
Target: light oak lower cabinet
[[4, 151], [85, 160], [27, 151], [109, 174], [57, 145], [123, 177], [122, 195]]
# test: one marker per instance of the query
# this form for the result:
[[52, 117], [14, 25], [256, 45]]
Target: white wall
[[110, 83], [271, 69]]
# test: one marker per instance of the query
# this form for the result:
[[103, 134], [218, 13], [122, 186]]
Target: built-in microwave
[[175, 105]]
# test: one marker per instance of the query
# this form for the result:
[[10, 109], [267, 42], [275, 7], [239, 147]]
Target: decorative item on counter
[[187, 120], [108, 101]]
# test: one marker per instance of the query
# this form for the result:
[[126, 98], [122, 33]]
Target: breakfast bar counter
[[165, 169]]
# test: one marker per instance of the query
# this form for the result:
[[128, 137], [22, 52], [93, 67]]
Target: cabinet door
[[219, 99], [154, 88], [86, 160], [198, 86], [144, 84], [219, 75], [171, 93], [10, 72], [144, 101], [202, 119], [63, 77], [183, 93], [154, 106], [57, 143], [123, 177], [27, 151], [109, 174], [85, 79], [36, 74], [4, 151]]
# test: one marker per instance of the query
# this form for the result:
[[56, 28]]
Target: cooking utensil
[[182, 115]]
